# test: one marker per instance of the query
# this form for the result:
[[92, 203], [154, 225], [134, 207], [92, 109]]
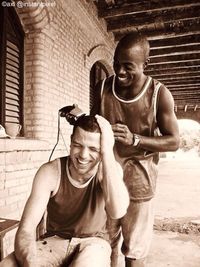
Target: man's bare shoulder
[[165, 97], [49, 174]]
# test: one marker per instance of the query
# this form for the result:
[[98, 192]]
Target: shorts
[[58, 252], [137, 229]]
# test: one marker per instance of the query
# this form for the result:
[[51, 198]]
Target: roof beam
[[184, 82], [191, 89], [178, 76], [176, 50], [174, 58], [144, 6], [159, 69], [185, 93], [157, 18], [171, 41], [169, 77], [186, 98], [163, 30]]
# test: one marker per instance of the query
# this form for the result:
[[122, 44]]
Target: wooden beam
[[194, 85], [186, 98], [145, 6], [171, 41], [174, 69], [176, 50], [174, 58], [180, 76], [170, 29], [164, 72], [184, 81], [188, 102], [157, 18], [186, 93]]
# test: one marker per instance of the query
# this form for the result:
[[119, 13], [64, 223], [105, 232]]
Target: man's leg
[[51, 251], [137, 230], [92, 252], [9, 261]]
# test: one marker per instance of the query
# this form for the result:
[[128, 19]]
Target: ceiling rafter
[[145, 6]]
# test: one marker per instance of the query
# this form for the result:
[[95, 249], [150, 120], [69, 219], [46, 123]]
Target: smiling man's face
[[85, 153], [128, 65]]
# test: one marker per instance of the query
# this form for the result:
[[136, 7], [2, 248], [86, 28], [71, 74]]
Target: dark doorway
[[98, 72]]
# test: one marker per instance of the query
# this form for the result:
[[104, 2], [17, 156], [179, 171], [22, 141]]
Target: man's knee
[[9, 261]]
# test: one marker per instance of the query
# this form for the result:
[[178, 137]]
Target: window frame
[[9, 15]]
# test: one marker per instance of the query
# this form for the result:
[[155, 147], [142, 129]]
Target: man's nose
[[121, 69], [84, 152]]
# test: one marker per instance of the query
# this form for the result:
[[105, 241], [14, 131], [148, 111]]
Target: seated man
[[78, 191]]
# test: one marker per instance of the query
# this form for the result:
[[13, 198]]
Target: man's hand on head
[[107, 137]]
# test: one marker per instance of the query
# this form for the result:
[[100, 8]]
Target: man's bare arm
[[25, 241], [168, 126], [115, 192]]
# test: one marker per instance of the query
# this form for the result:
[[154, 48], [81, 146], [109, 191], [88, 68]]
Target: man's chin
[[123, 83]]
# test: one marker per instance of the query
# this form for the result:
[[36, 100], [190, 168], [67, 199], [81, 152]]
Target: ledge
[[20, 144]]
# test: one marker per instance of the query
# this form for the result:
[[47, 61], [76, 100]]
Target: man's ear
[[146, 63]]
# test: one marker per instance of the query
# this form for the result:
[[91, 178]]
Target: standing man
[[78, 191], [141, 112]]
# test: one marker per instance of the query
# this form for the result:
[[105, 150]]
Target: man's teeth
[[82, 162], [122, 78]]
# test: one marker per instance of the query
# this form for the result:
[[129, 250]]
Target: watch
[[136, 140]]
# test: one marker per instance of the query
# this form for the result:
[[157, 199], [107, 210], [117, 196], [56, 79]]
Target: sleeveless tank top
[[77, 212], [139, 114]]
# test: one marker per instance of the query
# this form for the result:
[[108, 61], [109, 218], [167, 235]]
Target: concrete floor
[[177, 198]]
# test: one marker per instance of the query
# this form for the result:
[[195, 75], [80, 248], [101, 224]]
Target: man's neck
[[80, 179]]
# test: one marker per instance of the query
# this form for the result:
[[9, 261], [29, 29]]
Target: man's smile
[[82, 162]]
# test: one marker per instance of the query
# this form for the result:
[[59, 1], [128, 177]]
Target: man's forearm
[[25, 248], [115, 191], [160, 143]]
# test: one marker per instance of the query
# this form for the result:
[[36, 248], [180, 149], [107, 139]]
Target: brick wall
[[57, 64], [62, 42]]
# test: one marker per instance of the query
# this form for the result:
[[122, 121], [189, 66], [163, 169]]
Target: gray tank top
[[77, 212]]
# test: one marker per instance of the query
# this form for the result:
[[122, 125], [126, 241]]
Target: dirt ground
[[176, 241]]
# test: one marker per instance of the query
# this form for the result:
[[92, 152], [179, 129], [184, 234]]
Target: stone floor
[[176, 241]]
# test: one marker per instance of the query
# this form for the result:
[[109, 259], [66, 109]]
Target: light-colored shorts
[[56, 252], [137, 229]]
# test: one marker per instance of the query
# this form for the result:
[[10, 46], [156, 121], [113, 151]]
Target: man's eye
[[129, 67], [76, 145], [95, 149]]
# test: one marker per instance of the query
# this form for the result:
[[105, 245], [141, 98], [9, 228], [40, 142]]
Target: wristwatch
[[136, 140]]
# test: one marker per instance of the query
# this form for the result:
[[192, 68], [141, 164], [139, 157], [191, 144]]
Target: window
[[11, 67], [98, 72]]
